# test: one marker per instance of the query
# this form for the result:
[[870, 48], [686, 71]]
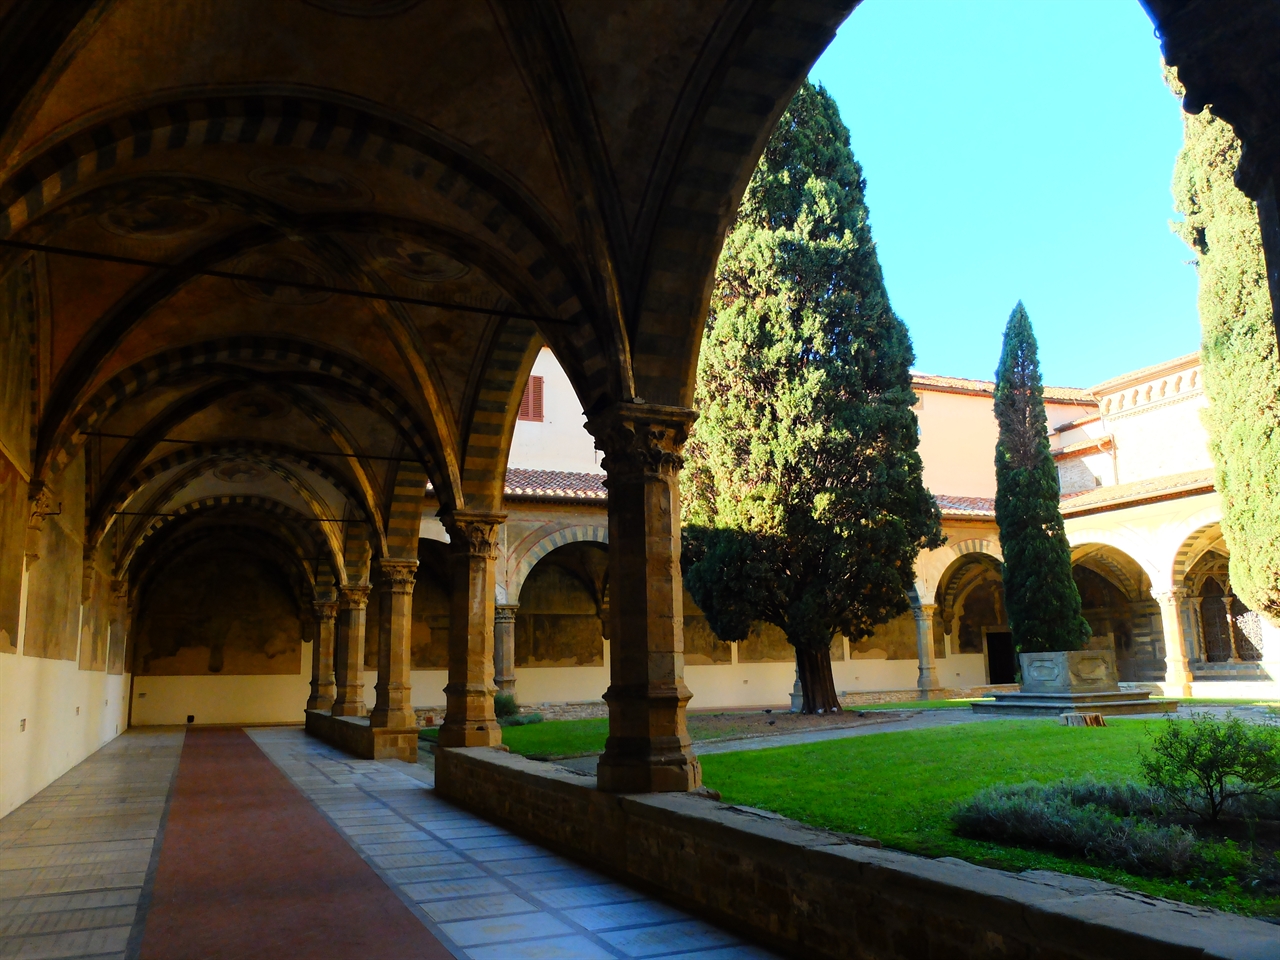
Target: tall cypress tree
[[1238, 348], [805, 505], [1040, 595]]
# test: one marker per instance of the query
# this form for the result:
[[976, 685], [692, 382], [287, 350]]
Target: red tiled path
[[249, 868]]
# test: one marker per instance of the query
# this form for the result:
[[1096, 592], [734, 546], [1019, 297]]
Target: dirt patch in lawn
[[737, 726]]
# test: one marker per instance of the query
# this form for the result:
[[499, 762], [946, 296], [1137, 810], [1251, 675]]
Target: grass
[[914, 705], [900, 788]]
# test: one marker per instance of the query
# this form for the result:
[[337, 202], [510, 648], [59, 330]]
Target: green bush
[[1206, 766], [1079, 818], [520, 720], [504, 705]]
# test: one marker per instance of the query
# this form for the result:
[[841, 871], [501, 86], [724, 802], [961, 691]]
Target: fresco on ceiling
[[220, 612], [257, 405], [277, 272], [157, 218], [239, 471], [311, 183], [416, 261]]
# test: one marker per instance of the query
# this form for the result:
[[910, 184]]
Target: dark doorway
[[1000, 659]]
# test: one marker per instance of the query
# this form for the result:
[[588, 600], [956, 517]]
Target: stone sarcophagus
[[1069, 671]]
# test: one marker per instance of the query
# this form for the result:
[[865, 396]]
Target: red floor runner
[[249, 868]]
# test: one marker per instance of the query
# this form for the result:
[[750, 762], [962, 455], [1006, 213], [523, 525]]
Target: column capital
[[1172, 595], [924, 611], [640, 438], [505, 612], [353, 596], [325, 609], [396, 572], [473, 533]]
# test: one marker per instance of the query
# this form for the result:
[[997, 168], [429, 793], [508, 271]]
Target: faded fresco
[[54, 583], [701, 645], [218, 613], [17, 325], [429, 639], [13, 531], [895, 640], [983, 607], [558, 624]]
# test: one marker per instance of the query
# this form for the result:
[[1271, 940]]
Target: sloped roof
[[1142, 491], [983, 507], [930, 381], [553, 485]]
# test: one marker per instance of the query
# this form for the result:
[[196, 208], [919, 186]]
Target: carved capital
[[925, 611], [325, 609], [474, 534], [355, 597], [642, 439], [120, 591], [40, 505], [1174, 596], [397, 573], [505, 612]]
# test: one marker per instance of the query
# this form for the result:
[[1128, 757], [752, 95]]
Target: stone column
[[349, 652], [1233, 633], [473, 550], [928, 680], [1197, 625], [504, 647], [1177, 675], [393, 707], [323, 689], [648, 749]]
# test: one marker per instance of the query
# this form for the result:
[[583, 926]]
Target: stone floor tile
[[551, 879], [668, 938], [560, 948], [400, 846], [72, 901], [513, 851], [471, 908], [468, 830], [63, 920], [467, 933], [566, 898], [740, 951], [614, 916], [500, 838], [453, 889], [79, 943], [444, 871]]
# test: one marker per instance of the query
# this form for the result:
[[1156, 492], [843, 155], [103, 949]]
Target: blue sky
[[1019, 149]]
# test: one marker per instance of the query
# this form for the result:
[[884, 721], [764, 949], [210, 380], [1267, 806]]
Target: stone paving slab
[[485, 892], [74, 858]]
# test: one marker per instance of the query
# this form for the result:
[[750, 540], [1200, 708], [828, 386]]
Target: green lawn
[[913, 705], [899, 788]]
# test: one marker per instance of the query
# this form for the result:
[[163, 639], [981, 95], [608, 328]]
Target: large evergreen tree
[[1241, 372], [1040, 595], [804, 504]]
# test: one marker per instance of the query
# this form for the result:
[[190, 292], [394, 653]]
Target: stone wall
[[815, 894]]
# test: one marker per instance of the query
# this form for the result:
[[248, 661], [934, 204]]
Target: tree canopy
[[1238, 348], [1040, 595], [804, 500]]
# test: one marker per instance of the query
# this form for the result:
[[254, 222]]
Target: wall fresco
[[218, 613], [17, 324], [13, 531], [558, 624]]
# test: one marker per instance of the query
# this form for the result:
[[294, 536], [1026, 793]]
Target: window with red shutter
[[531, 402]]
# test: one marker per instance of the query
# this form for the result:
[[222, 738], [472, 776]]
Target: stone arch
[[1195, 545], [1137, 548], [565, 535], [59, 442]]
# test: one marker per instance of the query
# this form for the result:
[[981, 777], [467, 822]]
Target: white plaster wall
[[963, 670], [428, 687], [560, 441], [957, 443], [46, 694], [279, 698], [1161, 440]]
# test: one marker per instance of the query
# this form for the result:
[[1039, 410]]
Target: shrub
[[1205, 765], [522, 720], [1078, 818], [504, 705]]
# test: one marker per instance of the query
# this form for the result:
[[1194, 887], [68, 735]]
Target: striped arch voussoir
[[567, 535], [183, 361]]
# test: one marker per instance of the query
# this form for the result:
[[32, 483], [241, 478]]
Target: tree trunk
[[816, 681]]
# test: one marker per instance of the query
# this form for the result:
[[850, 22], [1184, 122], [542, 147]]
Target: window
[[531, 402]]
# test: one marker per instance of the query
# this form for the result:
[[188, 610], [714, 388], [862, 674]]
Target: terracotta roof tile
[[965, 506], [1142, 491], [554, 485], [929, 381], [1083, 448]]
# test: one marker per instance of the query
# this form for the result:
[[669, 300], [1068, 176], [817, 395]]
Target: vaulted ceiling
[[326, 239]]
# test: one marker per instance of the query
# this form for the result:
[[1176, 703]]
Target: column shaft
[[1177, 675], [504, 647], [924, 649], [393, 707], [323, 688], [349, 652], [473, 549], [648, 749]]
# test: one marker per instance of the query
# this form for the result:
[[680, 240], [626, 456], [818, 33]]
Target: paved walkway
[[93, 866]]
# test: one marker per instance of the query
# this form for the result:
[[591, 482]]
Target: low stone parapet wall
[[357, 737], [816, 894]]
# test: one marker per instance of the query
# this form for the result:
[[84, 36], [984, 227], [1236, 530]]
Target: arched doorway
[[970, 616], [1115, 596], [1225, 635]]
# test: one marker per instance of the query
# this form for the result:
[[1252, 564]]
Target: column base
[[657, 771], [356, 736], [400, 718], [471, 733], [320, 703], [505, 684], [349, 710]]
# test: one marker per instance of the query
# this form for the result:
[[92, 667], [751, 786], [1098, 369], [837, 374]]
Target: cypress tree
[[804, 500], [1238, 349], [1040, 595]]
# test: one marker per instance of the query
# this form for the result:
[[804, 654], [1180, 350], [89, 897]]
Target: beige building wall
[[560, 441]]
